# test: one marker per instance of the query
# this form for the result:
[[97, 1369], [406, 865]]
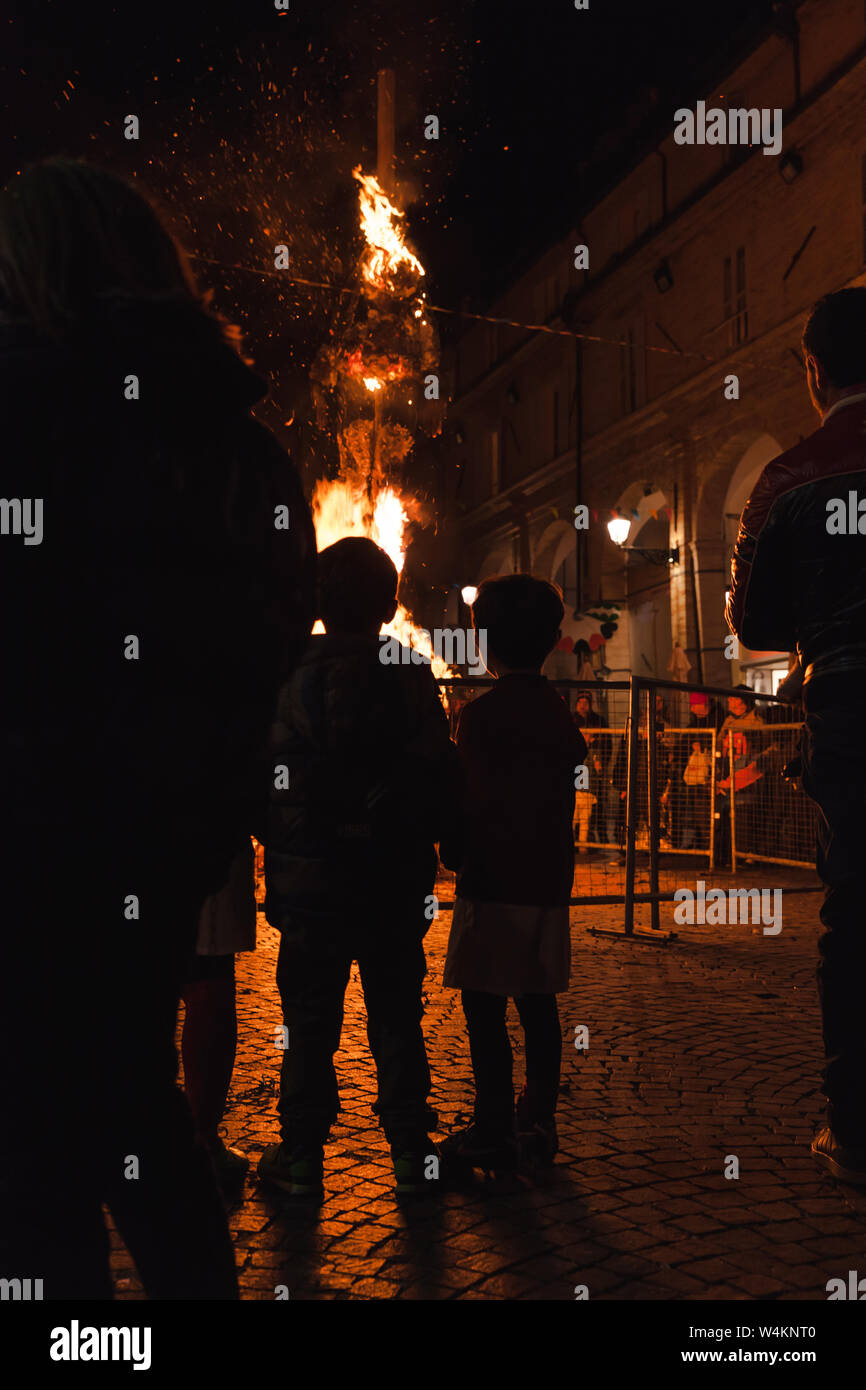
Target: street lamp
[[618, 528]]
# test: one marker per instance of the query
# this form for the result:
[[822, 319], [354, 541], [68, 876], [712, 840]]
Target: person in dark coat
[[164, 594], [704, 712], [590, 801], [798, 583], [363, 768]]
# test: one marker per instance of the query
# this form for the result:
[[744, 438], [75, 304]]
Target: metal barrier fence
[[707, 790], [712, 785]]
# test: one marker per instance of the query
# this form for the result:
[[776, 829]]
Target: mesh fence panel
[[720, 793], [724, 796], [773, 818]]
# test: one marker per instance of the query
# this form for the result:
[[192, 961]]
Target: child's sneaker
[[846, 1164], [538, 1145], [410, 1168], [537, 1142], [473, 1148], [298, 1171], [229, 1164]]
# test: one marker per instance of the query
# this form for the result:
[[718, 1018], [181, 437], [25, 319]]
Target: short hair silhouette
[[357, 584], [835, 334], [521, 616]]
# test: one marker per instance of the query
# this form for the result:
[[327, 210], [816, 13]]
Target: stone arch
[[500, 560], [644, 639], [734, 472], [721, 497], [638, 497], [555, 543], [746, 474]]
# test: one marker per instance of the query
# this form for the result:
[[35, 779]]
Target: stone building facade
[[702, 263]]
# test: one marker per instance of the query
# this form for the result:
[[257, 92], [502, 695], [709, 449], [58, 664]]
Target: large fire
[[387, 253], [391, 348], [342, 508]]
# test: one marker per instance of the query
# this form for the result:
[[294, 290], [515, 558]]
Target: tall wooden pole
[[385, 130], [385, 173]]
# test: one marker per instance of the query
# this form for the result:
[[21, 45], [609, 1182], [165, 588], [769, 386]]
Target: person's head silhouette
[[834, 346], [357, 587]]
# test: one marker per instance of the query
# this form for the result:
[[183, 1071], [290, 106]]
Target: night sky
[[251, 122]]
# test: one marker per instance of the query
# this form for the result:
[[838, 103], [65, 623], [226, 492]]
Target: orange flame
[[386, 250], [343, 506]]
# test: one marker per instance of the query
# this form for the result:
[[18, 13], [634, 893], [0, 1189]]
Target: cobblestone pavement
[[701, 1048]]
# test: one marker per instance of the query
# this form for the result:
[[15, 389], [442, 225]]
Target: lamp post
[[618, 528]]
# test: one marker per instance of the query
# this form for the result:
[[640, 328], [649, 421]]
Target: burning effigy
[[371, 386]]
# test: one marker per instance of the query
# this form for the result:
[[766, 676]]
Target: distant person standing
[[734, 746], [589, 800], [585, 717], [798, 581], [696, 771]]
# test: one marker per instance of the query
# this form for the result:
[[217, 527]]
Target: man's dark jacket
[[159, 525], [794, 584]]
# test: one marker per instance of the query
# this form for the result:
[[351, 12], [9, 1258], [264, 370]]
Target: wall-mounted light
[[618, 528], [459, 435], [790, 166], [663, 277], [469, 594]]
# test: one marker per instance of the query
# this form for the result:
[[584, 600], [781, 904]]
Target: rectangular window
[[734, 295], [632, 379], [727, 290], [495, 459], [626, 371], [633, 219], [742, 311]]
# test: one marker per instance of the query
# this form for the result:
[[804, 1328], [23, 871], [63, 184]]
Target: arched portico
[[644, 640], [721, 498]]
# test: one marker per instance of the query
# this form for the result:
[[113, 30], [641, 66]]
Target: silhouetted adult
[[799, 581], [156, 609]]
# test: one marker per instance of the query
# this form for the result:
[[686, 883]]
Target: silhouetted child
[[362, 764], [510, 933]]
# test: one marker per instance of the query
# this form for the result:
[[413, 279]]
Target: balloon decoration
[[584, 649]]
